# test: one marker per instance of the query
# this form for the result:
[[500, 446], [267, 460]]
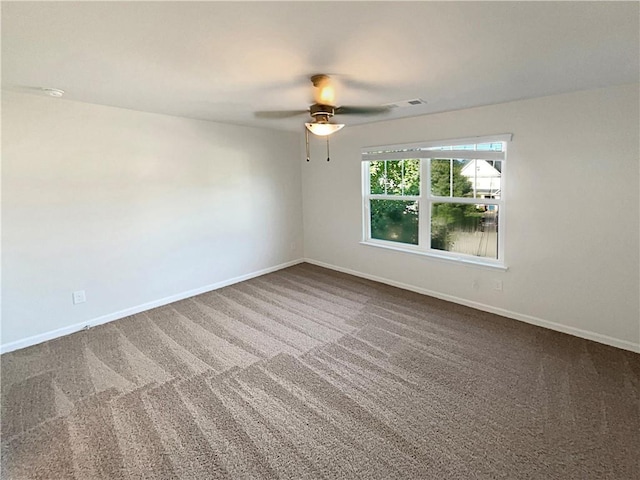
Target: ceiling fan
[[322, 110]]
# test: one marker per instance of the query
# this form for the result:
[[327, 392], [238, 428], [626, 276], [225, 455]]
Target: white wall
[[133, 208], [572, 214]]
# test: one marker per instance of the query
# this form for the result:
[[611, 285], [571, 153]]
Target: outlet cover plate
[[79, 297]]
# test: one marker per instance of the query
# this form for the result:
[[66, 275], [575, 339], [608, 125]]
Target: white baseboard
[[577, 332], [61, 332]]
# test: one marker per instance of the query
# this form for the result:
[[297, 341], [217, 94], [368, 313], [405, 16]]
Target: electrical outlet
[[497, 285], [79, 297], [475, 284]]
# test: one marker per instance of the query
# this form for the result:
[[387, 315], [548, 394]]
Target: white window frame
[[426, 199]]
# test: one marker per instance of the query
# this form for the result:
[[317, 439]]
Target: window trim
[[425, 199]]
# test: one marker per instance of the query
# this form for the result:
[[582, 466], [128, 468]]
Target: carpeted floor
[[309, 373]]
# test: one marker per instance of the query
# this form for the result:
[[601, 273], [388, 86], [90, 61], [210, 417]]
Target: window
[[439, 198]]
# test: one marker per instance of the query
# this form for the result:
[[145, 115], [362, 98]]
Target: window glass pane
[[466, 178], [394, 220], [467, 229], [492, 146], [462, 184], [484, 178], [411, 177], [441, 177], [394, 177], [376, 177], [449, 178]]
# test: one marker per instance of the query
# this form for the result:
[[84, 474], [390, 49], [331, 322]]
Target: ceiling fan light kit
[[324, 129]]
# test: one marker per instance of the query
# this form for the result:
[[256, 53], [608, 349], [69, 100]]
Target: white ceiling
[[222, 61]]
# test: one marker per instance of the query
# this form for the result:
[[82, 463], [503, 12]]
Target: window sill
[[444, 258]]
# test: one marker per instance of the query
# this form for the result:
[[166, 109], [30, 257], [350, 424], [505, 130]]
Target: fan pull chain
[[327, 137]]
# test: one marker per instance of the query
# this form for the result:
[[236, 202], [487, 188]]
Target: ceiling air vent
[[406, 103]]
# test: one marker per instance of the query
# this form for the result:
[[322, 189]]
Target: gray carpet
[[309, 373]]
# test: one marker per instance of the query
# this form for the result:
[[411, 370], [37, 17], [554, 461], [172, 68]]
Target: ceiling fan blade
[[275, 114], [353, 110], [353, 83]]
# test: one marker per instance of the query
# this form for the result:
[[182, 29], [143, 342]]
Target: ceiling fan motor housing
[[321, 113]]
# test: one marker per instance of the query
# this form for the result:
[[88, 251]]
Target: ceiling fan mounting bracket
[[319, 79]]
